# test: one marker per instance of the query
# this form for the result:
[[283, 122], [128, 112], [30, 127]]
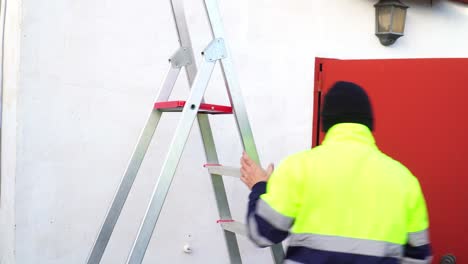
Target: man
[[343, 201]]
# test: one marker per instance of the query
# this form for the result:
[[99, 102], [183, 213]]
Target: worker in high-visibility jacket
[[341, 202]]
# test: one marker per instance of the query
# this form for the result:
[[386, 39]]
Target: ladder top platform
[[178, 106]]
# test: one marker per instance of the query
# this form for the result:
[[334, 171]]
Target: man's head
[[346, 102]]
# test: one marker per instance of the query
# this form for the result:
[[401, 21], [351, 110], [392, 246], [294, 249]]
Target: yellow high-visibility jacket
[[342, 202]]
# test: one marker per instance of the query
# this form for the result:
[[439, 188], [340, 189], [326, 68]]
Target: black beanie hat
[[346, 102]]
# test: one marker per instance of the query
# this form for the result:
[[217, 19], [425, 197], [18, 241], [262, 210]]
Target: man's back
[[352, 198], [341, 202], [351, 189]]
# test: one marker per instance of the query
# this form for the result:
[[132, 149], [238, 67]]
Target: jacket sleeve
[[273, 206], [418, 248]]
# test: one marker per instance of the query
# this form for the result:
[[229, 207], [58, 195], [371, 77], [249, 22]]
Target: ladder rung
[[234, 227], [223, 170], [178, 106]]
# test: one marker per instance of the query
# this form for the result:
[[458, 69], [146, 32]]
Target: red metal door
[[421, 111]]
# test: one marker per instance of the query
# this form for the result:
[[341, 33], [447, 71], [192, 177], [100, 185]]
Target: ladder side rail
[[232, 85], [183, 34], [235, 96], [161, 189], [206, 133], [217, 183], [128, 179]]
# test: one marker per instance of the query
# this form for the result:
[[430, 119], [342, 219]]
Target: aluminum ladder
[[194, 107]]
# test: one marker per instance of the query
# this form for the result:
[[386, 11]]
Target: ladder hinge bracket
[[216, 50], [182, 57]]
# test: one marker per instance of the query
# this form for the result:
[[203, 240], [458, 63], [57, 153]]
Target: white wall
[[89, 73], [10, 74]]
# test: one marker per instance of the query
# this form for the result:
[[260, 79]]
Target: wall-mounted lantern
[[390, 19]]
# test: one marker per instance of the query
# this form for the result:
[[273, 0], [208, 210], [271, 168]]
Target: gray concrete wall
[[90, 71]]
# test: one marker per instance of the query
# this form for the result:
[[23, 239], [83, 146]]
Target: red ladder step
[[178, 106]]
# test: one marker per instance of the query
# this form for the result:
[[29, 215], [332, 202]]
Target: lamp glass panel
[[384, 18], [399, 17]]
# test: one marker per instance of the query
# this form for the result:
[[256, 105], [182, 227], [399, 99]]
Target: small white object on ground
[[187, 249]]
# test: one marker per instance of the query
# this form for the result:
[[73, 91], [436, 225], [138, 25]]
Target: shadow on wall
[[453, 10], [449, 9]]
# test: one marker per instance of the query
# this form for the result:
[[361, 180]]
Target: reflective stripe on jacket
[[342, 202]]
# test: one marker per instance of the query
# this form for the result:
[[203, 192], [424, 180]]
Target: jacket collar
[[349, 132]]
